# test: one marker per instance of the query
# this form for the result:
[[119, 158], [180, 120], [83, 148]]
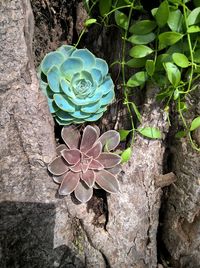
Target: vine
[[165, 49]]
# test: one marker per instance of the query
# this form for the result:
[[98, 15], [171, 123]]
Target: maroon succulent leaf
[[89, 178], [88, 139], [81, 170], [83, 193], [96, 165], [59, 179], [69, 183], [72, 156], [97, 129], [107, 181], [115, 170], [58, 166], [109, 160], [95, 150], [76, 168], [71, 136], [109, 140], [60, 148]]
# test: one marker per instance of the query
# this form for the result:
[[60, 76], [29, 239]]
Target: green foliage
[[164, 48], [126, 155]]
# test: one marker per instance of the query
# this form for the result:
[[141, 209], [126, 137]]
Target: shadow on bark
[[27, 237]]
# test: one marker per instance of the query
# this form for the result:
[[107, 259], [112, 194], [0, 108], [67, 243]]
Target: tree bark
[[181, 230], [40, 229]]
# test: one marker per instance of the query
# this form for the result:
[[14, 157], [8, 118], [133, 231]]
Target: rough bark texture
[[181, 230], [38, 228]]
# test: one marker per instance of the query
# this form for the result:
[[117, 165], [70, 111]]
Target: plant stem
[[126, 101]]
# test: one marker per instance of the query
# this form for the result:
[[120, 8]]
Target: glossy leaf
[[126, 155], [123, 134], [162, 14], [143, 27], [136, 63], [195, 123], [104, 6], [121, 19], [137, 79], [173, 73], [150, 132], [150, 67], [141, 39], [194, 17], [168, 39], [89, 22], [181, 60], [140, 51], [175, 21], [193, 29], [196, 56]]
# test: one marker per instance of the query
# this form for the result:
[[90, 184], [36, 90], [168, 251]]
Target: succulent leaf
[[81, 165], [50, 60], [71, 156], [110, 140], [77, 85], [88, 139], [95, 150], [71, 136], [69, 183], [58, 166], [107, 181], [87, 57], [89, 178], [83, 193], [109, 160]]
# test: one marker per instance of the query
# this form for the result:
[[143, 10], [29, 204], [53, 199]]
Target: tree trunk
[[38, 227]]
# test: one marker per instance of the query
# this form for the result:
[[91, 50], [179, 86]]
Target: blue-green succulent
[[77, 85]]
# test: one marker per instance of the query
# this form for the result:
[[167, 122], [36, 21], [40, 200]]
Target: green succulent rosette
[[77, 85]]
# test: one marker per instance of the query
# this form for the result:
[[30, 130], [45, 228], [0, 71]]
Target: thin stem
[[123, 70], [80, 36]]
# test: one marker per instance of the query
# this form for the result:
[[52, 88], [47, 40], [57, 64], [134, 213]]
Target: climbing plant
[[165, 50]]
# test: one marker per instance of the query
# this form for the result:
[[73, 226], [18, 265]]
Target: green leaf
[[176, 94], [150, 67], [121, 19], [168, 39], [180, 59], [143, 27], [196, 56], [104, 6], [173, 73], [123, 134], [175, 21], [194, 17], [195, 123], [180, 134], [150, 132], [183, 106], [161, 59], [126, 155], [153, 11], [136, 63], [89, 22], [193, 29], [141, 39], [136, 111], [137, 79], [162, 14], [140, 51]]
